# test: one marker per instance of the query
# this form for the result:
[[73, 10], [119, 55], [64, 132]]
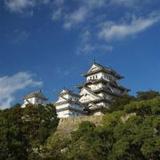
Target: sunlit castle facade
[[68, 105], [100, 88], [96, 93], [34, 98]]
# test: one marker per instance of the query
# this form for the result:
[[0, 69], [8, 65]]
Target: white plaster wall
[[68, 97], [74, 106], [67, 113], [101, 75], [62, 106], [63, 114], [96, 86], [95, 76], [33, 101], [101, 104]]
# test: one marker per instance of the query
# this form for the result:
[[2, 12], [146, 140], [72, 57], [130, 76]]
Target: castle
[[101, 86], [34, 98], [96, 93]]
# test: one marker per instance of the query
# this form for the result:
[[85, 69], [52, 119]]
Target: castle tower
[[34, 98], [100, 88], [68, 105]]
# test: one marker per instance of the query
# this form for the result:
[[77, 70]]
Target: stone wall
[[67, 125]]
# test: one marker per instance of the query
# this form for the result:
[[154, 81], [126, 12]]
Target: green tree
[[23, 131], [39, 122], [145, 95], [119, 103], [13, 144]]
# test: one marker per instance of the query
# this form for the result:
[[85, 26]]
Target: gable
[[93, 68], [87, 96]]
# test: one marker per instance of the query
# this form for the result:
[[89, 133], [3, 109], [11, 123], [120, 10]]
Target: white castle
[[34, 98], [96, 94]]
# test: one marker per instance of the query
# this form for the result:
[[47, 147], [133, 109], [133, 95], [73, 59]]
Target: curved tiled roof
[[67, 91], [37, 94], [103, 69]]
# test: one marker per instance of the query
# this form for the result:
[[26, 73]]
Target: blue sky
[[48, 44]]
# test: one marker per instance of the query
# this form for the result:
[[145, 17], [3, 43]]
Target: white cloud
[[113, 31], [88, 14], [9, 85], [45, 1], [94, 3], [88, 46], [57, 14], [125, 2], [75, 17], [19, 5], [131, 3], [59, 2]]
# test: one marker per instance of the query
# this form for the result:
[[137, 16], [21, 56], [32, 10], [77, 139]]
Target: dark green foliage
[[130, 131], [141, 95], [13, 143], [120, 102], [144, 107], [22, 131], [39, 122]]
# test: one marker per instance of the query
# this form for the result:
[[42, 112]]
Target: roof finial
[[64, 88], [94, 60]]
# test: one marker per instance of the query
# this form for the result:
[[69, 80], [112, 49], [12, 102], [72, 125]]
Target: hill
[[129, 130]]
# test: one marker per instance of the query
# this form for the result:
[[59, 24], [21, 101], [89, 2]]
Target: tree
[[23, 131], [39, 122], [141, 95], [119, 103], [13, 144]]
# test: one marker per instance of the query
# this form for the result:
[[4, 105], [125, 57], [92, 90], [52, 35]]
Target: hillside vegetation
[[130, 130]]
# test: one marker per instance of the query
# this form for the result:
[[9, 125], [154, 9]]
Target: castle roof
[[95, 81], [96, 67], [36, 94], [67, 91]]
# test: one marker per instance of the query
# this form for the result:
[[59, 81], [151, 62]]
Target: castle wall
[[67, 125]]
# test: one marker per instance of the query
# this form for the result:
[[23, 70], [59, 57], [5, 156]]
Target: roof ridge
[[37, 93]]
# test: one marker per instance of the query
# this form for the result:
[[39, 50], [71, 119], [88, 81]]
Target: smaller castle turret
[[68, 105], [34, 98]]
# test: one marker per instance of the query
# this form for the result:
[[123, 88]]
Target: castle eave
[[105, 70], [70, 109]]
